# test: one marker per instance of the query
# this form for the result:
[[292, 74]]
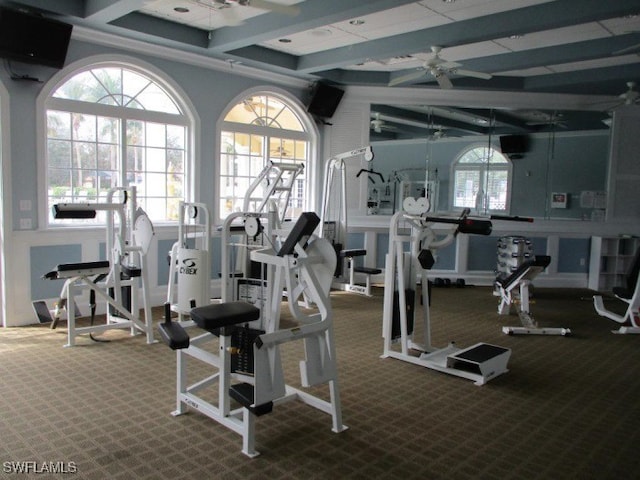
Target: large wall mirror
[[542, 163]]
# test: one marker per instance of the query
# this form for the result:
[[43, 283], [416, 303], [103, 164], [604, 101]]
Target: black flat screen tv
[[325, 100], [510, 144], [33, 39]]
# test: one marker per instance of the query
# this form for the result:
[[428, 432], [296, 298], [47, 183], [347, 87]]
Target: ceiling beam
[[108, 10], [313, 14], [158, 27], [490, 27], [73, 8]]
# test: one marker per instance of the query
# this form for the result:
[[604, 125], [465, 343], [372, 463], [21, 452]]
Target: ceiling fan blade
[[407, 78], [448, 65], [632, 48], [291, 10], [472, 73], [443, 80]]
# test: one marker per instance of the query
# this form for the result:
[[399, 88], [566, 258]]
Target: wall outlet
[[25, 224]]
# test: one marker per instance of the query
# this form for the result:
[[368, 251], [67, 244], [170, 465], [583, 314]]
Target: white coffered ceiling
[[587, 47]]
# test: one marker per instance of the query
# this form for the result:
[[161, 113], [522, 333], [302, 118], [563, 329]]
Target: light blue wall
[[573, 253], [45, 259], [208, 90]]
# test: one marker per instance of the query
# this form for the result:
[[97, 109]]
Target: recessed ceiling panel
[[465, 9]]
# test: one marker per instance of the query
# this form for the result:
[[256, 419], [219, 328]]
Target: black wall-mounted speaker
[[33, 39], [325, 100], [510, 144]]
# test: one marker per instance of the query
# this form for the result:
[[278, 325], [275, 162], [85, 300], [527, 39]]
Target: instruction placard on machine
[[253, 291]]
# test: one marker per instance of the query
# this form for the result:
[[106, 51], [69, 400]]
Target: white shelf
[[610, 260]]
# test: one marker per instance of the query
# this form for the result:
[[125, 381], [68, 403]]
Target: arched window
[[112, 125], [262, 129], [481, 180]]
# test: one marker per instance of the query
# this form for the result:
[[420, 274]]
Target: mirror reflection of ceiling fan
[[537, 118], [440, 69], [631, 95], [230, 8], [439, 132], [280, 151], [378, 125]]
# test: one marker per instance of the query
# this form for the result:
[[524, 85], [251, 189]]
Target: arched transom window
[[261, 131], [481, 180], [112, 126]]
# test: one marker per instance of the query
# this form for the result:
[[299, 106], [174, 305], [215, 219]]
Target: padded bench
[[350, 254], [216, 316]]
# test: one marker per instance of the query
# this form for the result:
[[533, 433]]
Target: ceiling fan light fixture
[[181, 10]]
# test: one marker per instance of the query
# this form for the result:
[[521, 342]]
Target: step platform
[[480, 362]]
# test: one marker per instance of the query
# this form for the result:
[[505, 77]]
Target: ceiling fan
[[440, 69], [233, 17], [378, 125], [537, 118], [439, 132], [630, 96]]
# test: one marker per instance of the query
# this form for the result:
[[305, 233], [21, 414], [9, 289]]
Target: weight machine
[[514, 289], [335, 230], [413, 238], [277, 180], [630, 295], [129, 234], [248, 366]]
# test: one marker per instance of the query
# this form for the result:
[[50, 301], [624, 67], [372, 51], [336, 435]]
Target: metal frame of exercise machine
[[277, 180], [630, 320], [189, 283], [404, 269], [127, 242], [338, 234], [304, 265], [514, 289]]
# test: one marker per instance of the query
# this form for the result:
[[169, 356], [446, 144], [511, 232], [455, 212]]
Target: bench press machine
[[248, 367], [412, 239], [515, 289], [127, 243]]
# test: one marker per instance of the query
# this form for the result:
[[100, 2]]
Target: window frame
[[482, 168], [46, 101], [309, 135]]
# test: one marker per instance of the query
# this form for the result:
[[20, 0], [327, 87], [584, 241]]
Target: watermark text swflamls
[[32, 466]]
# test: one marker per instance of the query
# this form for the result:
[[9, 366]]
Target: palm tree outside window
[[111, 126]]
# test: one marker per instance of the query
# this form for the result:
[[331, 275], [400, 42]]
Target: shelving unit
[[610, 260]]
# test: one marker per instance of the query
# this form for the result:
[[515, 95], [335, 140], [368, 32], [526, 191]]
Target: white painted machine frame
[[508, 297], [194, 225], [630, 320], [334, 165], [307, 271], [122, 244], [418, 233]]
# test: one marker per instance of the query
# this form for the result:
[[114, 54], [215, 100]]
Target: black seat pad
[[218, 315]]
